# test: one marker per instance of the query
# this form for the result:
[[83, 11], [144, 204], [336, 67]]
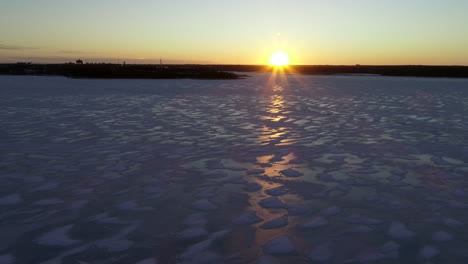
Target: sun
[[279, 58]]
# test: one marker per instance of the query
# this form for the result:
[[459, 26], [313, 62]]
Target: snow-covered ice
[[57, 237], [277, 191], [204, 205], [192, 233], [195, 220], [315, 222], [361, 219], [320, 253], [391, 250], [252, 187], [442, 236], [398, 230], [247, 218], [255, 171], [10, 199], [333, 210], [429, 252], [281, 245], [291, 173], [275, 223], [7, 259], [267, 260], [272, 202], [344, 168]]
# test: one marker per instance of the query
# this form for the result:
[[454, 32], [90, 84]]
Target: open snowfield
[[269, 169]]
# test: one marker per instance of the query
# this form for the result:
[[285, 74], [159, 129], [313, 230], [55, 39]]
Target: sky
[[338, 32]]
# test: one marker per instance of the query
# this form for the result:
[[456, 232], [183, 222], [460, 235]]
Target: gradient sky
[[236, 32]]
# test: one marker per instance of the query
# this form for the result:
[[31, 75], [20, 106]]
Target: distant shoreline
[[118, 71], [215, 72], [364, 70]]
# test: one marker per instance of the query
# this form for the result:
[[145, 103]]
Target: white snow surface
[[233, 171]]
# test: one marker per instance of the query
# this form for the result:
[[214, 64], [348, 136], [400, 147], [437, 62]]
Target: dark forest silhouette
[[136, 71]]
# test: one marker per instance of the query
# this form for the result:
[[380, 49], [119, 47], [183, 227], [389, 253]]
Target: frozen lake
[[269, 169]]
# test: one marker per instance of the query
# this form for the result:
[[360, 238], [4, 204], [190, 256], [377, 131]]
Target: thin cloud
[[15, 47], [74, 52], [70, 58]]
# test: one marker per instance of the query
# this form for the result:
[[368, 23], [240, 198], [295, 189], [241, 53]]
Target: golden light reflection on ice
[[273, 169], [276, 130], [276, 104], [271, 133]]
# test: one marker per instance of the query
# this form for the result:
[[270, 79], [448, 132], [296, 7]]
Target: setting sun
[[279, 58]]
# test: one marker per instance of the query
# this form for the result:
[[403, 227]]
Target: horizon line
[[237, 64]]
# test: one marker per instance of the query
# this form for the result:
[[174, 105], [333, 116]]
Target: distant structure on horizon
[[79, 61]]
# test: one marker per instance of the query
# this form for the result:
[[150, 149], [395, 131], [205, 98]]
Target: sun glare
[[279, 58]]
